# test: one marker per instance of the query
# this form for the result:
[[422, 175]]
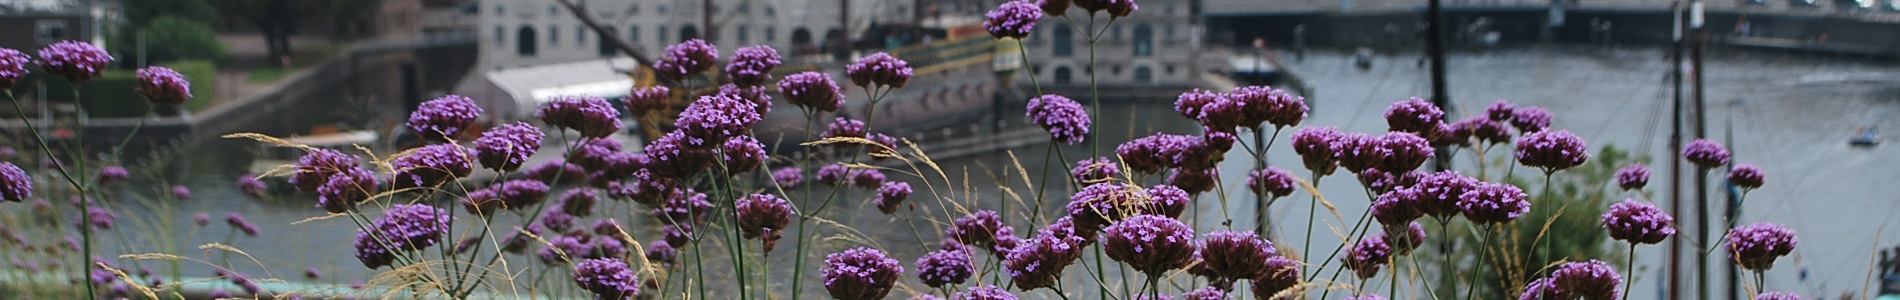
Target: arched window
[[606, 49], [801, 41], [1144, 75], [1062, 75], [688, 32], [580, 35], [1064, 43], [524, 41], [1144, 40], [662, 35], [554, 36]]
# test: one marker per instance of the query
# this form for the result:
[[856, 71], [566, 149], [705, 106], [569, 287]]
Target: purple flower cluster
[[1591, 280], [1268, 105], [880, 69], [1278, 274], [743, 154], [432, 165], [985, 292], [788, 177], [1156, 152], [714, 118], [1367, 256], [181, 192], [1746, 176], [345, 189], [1552, 150], [591, 116], [1633, 177], [686, 58], [1705, 153], [1040, 260], [1014, 19], [520, 194], [1439, 193], [752, 66], [641, 100], [675, 156], [607, 278], [812, 91], [1480, 129], [1357, 152], [100, 218], [1315, 147], [314, 168], [1778, 296], [1190, 103], [1638, 222], [1272, 182], [860, 274], [75, 61], [442, 118], [843, 127], [978, 228], [1053, 7], [1530, 118], [1236, 255], [761, 101], [404, 227], [162, 85], [238, 222], [1404, 238], [1402, 151], [1115, 8], [1065, 119], [684, 208], [1194, 181], [890, 195], [1489, 203], [942, 267], [251, 186], [12, 67], [763, 216], [111, 174], [1151, 244], [1501, 111], [1756, 246], [1397, 207], [1414, 115], [1095, 170], [506, 147]]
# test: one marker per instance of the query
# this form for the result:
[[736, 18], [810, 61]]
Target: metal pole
[[1730, 208], [1434, 46], [1675, 147], [1701, 131]]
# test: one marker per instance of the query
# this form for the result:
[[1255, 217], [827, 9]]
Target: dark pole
[[706, 21], [1675, 147], [1702, 176], [1434, 46], [1730, 208]]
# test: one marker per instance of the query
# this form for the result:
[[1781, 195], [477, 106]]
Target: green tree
[[1517, 253], [139, 13], [173, 38]]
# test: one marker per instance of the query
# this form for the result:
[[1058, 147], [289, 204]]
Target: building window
[[1144, 40], [554, 36], [771, 34], [1168, 36], [580, 35], [662, 33], [633, 9], [1063, 75], [662, 9], [688, 32], [606, 49], [500, 9], [633, 34], [500, 36], [1144, 75], [524, 41], [743, 38], [1064, 44], [551, 12]]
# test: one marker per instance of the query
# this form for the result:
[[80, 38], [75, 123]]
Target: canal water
[[1790, 114]]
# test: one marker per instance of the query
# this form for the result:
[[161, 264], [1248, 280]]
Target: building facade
[[1155, 46]]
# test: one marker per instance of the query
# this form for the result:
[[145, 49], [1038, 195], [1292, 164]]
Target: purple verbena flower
[[1756, 246], [687, 207], [843, 127], [1053, 7], [1592, 280], [743, 154], [686, 58], [1402, 151], [1778, 296], [1151, 244], [867, 178], [1404, 238], [1357, 151], [1367, 256], [607, 278], [1271, 182], [713, 118], [110, 174], [1552, 150], [314, 169], [238, 222], [752, 66], [1705, 153], [860, 274], [1013, 19], [788, 177], [504, 148], [880, 69], [761, 101], [404, 227], [590, 116], [1397, 207], [1315, 147], [1746, 176], [1501, 111], [977, 228], [1264, 104], [181, 192], [12, 67], [433, 165], [1414, 115], [1065, 119], [812, 91], [642, 100], [1489, 203], [75, 61], [345, 189], [1638, 222], [1190, 103], [890, 195], [162, 85], [763, 216], [1095, 170], [1438, 193], [1236, 255], [675, 155], [1530, 118], [1279, 274], [985, 292], [945, 267], [443, 118], [1633, 177], [100, 218]]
